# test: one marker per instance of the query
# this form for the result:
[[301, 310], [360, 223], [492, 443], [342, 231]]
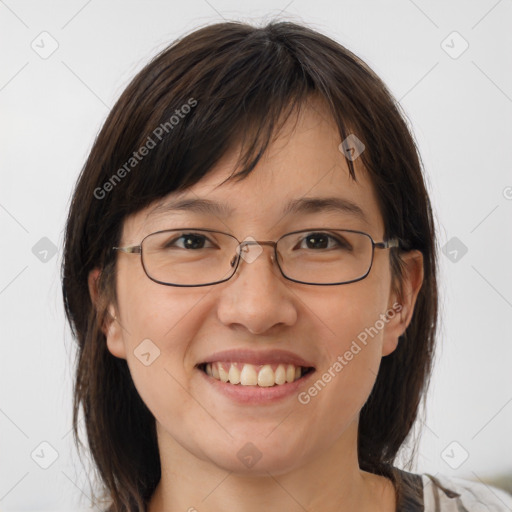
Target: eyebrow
[[325, 204], [296, 206]]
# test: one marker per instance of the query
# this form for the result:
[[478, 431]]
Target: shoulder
[[446, 494]]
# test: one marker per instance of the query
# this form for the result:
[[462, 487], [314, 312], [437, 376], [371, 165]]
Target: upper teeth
[[253, 375]]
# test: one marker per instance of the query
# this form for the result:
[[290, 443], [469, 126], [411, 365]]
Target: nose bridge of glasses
[[243, 245], [258, 242]]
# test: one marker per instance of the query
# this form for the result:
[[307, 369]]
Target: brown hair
[[240, 82]]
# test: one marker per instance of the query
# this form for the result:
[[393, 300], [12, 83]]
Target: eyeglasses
[[203, 257]]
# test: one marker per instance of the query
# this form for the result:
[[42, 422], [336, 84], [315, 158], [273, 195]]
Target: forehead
[[303, 173]]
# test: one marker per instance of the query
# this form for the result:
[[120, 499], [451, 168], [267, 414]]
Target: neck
[[332, 482]]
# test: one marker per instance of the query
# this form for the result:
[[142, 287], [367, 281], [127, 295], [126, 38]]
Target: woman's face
[[166, 333]]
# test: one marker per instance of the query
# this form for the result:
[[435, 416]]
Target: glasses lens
[[189, 257], [199, 257], [326, 256]]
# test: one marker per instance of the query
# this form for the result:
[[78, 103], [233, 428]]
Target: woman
[[250, 274]]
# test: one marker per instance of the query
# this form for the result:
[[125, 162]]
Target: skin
[[309, 452]]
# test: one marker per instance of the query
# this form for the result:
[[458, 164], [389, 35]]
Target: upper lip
[[257, 357]]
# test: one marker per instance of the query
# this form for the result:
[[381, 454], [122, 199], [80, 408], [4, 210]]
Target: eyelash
[[340, 241]]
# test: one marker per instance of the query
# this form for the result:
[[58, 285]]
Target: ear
[[401, 305], [111, 327]]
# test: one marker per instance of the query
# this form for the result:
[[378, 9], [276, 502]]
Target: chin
[[259, 456]]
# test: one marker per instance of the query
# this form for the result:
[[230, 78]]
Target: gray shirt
[[440, 493]]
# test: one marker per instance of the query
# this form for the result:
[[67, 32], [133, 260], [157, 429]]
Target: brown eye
[[325, 241], [188, 241]]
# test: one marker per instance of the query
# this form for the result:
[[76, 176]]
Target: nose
[[257, 296]]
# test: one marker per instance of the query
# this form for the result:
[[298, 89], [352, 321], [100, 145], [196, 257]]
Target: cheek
[[150, 310], [159, 325], [160, 330], [350, 313], [351, 335]]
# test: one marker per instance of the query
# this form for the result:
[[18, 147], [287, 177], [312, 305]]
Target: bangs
[[190, 112]]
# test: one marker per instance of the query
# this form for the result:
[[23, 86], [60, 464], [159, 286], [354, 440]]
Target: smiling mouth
[[246, 374]]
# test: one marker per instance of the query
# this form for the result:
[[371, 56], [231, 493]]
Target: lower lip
[[257, 394]]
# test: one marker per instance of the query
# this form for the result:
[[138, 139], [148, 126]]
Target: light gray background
[[460, 110]]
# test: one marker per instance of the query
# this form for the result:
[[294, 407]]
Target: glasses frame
[[137, 249]]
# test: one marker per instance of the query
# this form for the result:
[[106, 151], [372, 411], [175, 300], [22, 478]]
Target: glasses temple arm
[[392, 243], [130, 250]]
